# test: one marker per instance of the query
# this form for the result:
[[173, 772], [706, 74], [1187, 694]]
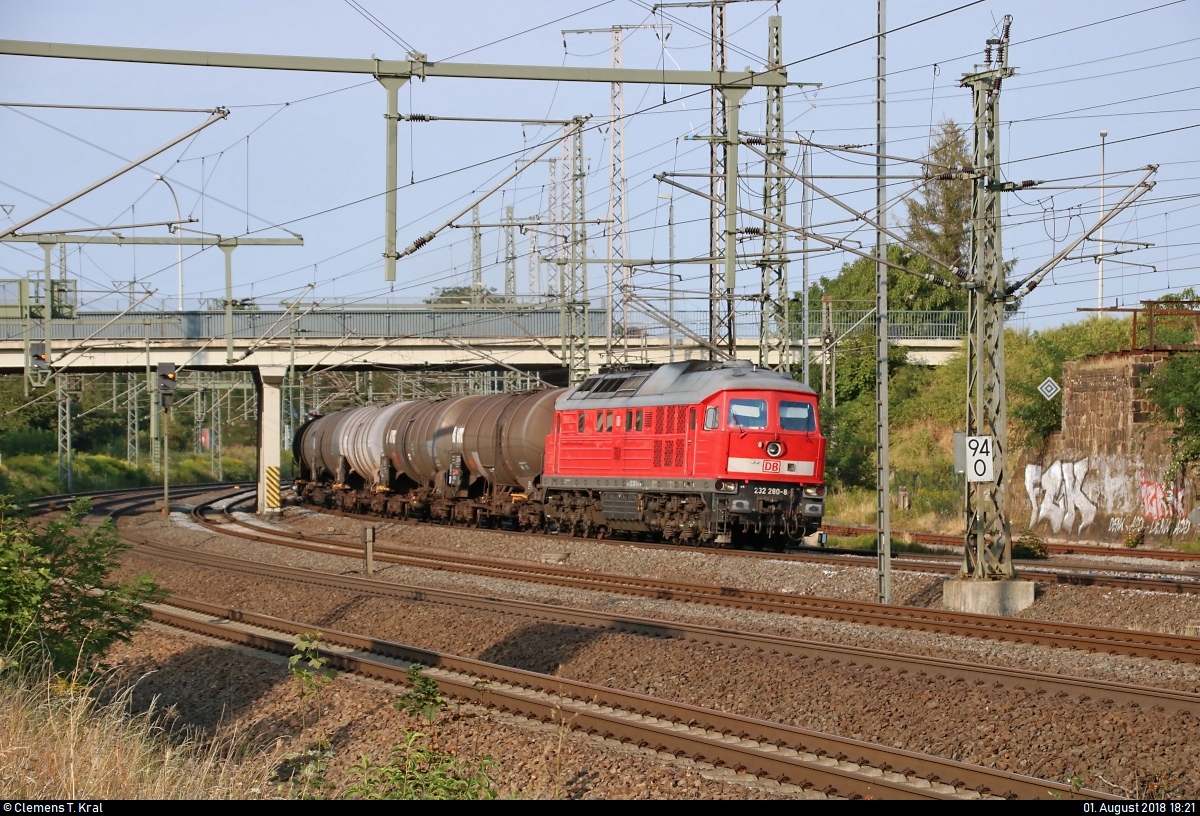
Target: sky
[[304, 152]]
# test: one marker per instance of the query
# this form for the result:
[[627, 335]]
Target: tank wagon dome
[[684, 383]]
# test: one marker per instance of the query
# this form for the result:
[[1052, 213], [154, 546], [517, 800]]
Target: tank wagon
[[694, 452]]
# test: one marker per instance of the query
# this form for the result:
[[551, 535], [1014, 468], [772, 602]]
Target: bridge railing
[[506, 322], [908, 325]]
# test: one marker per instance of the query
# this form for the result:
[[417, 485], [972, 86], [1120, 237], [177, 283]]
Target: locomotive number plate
[[770, 491]]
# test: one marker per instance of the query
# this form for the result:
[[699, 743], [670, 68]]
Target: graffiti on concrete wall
[[1056, 496], [1161, 500], [1162, 511], [1066, 496], [1163, 526]]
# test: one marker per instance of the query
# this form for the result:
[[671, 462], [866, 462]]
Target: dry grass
[[857, 507], [58, 742], [922, 457]]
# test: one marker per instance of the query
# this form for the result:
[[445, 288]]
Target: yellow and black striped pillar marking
[[272, 488]]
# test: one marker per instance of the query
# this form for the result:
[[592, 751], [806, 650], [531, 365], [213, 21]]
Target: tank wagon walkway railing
[[511, 321]]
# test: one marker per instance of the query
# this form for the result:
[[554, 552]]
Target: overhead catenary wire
[[922, 137]]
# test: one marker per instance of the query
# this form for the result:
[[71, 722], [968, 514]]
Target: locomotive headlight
[[816, 491], [726, 487], [774, 450]]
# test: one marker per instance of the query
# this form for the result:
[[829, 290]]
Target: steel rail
[[943, 539], [1062, 575], [1081, 689], [43, 503], [1187, 583], [810, 759], [1019, 630]]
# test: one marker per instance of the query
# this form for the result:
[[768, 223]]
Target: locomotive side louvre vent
[[669, 452], [679, 448], [658, 452], [616, 454], [678, 412], [658, 421]]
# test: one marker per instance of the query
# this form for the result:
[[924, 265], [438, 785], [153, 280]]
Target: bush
[[423, 698], [28, 440], [1135, 538], [48, 578], [1030, 545], [416, 772], [1173, 390]]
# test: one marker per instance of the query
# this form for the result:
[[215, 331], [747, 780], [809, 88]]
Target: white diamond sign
[[1049, 388]]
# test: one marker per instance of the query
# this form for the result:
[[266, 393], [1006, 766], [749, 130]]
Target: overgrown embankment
[[927, 404]]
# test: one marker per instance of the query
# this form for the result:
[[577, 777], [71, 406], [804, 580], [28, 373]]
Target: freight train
[[699, 453]]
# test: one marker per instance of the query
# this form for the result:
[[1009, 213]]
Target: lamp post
[[1100, 257], [179, 219]]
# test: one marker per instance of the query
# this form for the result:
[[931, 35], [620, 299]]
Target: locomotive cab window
[[796, 416], [599, 421], [712, 418], [747, 413], [608, 421], [637, 426], [628, 421]]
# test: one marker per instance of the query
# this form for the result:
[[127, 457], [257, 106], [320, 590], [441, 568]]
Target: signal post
[[166, 395]]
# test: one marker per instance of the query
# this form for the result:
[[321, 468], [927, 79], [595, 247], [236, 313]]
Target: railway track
[[1018, 630], [941, 539], [832, 654], [836, 766], [118, 496], [1185, 581]]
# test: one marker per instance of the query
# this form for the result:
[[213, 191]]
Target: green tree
[[850, 454], [854, 287], [939, 216], [55, 590], [1032, 356], [1173, 388]]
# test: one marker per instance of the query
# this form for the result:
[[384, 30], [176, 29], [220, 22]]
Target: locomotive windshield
[[747, 413], [796, 416]]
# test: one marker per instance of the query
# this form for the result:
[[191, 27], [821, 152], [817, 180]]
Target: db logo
[[770, 467]]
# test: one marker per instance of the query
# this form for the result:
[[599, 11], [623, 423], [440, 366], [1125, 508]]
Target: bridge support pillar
[[268, 382]]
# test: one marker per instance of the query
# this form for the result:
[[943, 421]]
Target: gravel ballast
[[217, 690], [1016, 731]]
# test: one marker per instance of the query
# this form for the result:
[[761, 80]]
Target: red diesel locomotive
[[694, 452]]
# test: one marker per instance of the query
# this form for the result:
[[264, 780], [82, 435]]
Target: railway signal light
[[38, 359], [166, 383]]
